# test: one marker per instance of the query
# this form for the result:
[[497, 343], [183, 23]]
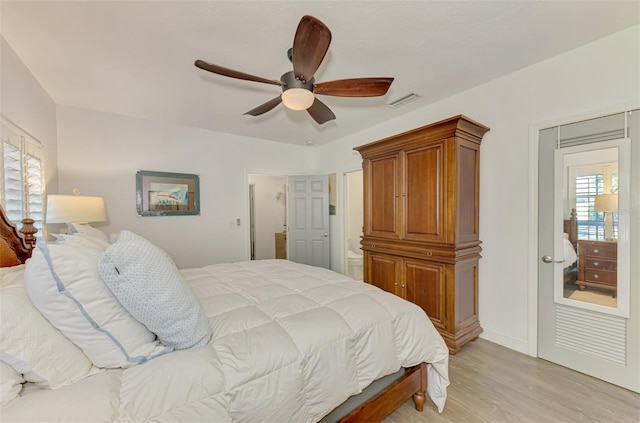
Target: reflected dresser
[[597, 265]]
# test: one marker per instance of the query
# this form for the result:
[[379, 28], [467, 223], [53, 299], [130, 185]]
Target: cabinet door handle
[[395, 284], [403, 285]]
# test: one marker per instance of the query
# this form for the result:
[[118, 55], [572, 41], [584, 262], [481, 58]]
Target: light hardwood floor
[[491, 383]]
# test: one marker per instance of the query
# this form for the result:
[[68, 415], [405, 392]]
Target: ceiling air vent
[[404, 100]]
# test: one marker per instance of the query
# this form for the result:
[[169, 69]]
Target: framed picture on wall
[[167, 194]]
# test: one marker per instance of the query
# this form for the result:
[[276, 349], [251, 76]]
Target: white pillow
[[31, 345], [63, 282], [87, 230], [10, 383], [147, 282]]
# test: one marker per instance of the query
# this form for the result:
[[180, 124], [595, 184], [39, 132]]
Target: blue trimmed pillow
[[30, 345], [62, 281], [148, 284]]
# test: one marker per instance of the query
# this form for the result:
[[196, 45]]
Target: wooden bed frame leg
[[420, 397]]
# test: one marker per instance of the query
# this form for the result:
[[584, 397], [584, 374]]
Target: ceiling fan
[[299, 88]]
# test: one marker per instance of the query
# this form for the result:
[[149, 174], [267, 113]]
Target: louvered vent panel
[[598, 335]]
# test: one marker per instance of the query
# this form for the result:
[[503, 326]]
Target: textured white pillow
[[63, 282], [31, 345], [10, 383], [147, 282]]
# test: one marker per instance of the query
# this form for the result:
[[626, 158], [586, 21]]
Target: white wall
[[269, 206], [601, 76], [26, 104], [99, 153]]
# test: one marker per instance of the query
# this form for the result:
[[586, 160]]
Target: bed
[[570, 242], [286, 341]]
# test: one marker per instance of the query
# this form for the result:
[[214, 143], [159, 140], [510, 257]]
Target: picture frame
[[167, 193]]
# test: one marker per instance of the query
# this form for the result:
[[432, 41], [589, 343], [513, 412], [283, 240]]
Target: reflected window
[[591, 213]]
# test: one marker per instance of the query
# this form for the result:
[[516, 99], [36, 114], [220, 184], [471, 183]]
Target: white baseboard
[[508, 341]]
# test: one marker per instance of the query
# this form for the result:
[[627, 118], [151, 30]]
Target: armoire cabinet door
[[382, 271], [381, 192], [425, 284], [423, 185]]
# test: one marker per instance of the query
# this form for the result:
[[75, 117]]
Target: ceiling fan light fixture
[[298, 98]]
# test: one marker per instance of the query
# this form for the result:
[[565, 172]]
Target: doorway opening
[[354, 212], [267, 216]]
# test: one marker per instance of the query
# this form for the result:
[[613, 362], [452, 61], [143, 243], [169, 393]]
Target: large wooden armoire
[[421, 240]]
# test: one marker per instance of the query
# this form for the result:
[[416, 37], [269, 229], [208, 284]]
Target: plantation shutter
[[12, 189], [22, 185], [35, 184]]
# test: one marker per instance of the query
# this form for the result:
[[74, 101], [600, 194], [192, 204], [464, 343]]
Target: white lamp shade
[[75, 209], [298, 98], [606, 203]]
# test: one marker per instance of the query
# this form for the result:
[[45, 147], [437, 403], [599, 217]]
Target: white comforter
[[290, 343]]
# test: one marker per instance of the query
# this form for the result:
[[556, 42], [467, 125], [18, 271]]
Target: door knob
[[325, 235], [549, 259]]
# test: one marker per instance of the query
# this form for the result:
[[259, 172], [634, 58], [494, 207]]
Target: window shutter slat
[[23, 184]]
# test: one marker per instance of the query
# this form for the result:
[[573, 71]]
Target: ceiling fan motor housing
[[290, 81]]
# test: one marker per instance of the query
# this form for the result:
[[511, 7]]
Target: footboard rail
[[412, 384]]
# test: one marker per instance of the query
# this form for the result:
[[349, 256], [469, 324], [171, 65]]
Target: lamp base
[[608, 227]]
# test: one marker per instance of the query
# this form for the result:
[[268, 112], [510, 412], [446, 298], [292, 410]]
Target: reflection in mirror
[[591, 226]]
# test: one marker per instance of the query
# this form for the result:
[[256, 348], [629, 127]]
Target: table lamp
[[75, 209], [607, 204]]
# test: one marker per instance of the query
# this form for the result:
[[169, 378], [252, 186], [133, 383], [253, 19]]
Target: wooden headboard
[[15, 245], [571, 227]]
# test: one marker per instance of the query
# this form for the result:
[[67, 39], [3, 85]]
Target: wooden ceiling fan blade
[[320, 112], [310, 45], [357, 87], [233, 73], [264, 108]]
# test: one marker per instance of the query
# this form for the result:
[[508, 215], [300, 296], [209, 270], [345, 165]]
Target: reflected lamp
[[607, 204]]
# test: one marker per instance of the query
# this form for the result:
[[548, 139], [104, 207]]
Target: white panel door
[[308, 239], [584, 324]]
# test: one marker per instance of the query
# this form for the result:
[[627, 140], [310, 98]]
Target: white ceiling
[[136, 57]]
